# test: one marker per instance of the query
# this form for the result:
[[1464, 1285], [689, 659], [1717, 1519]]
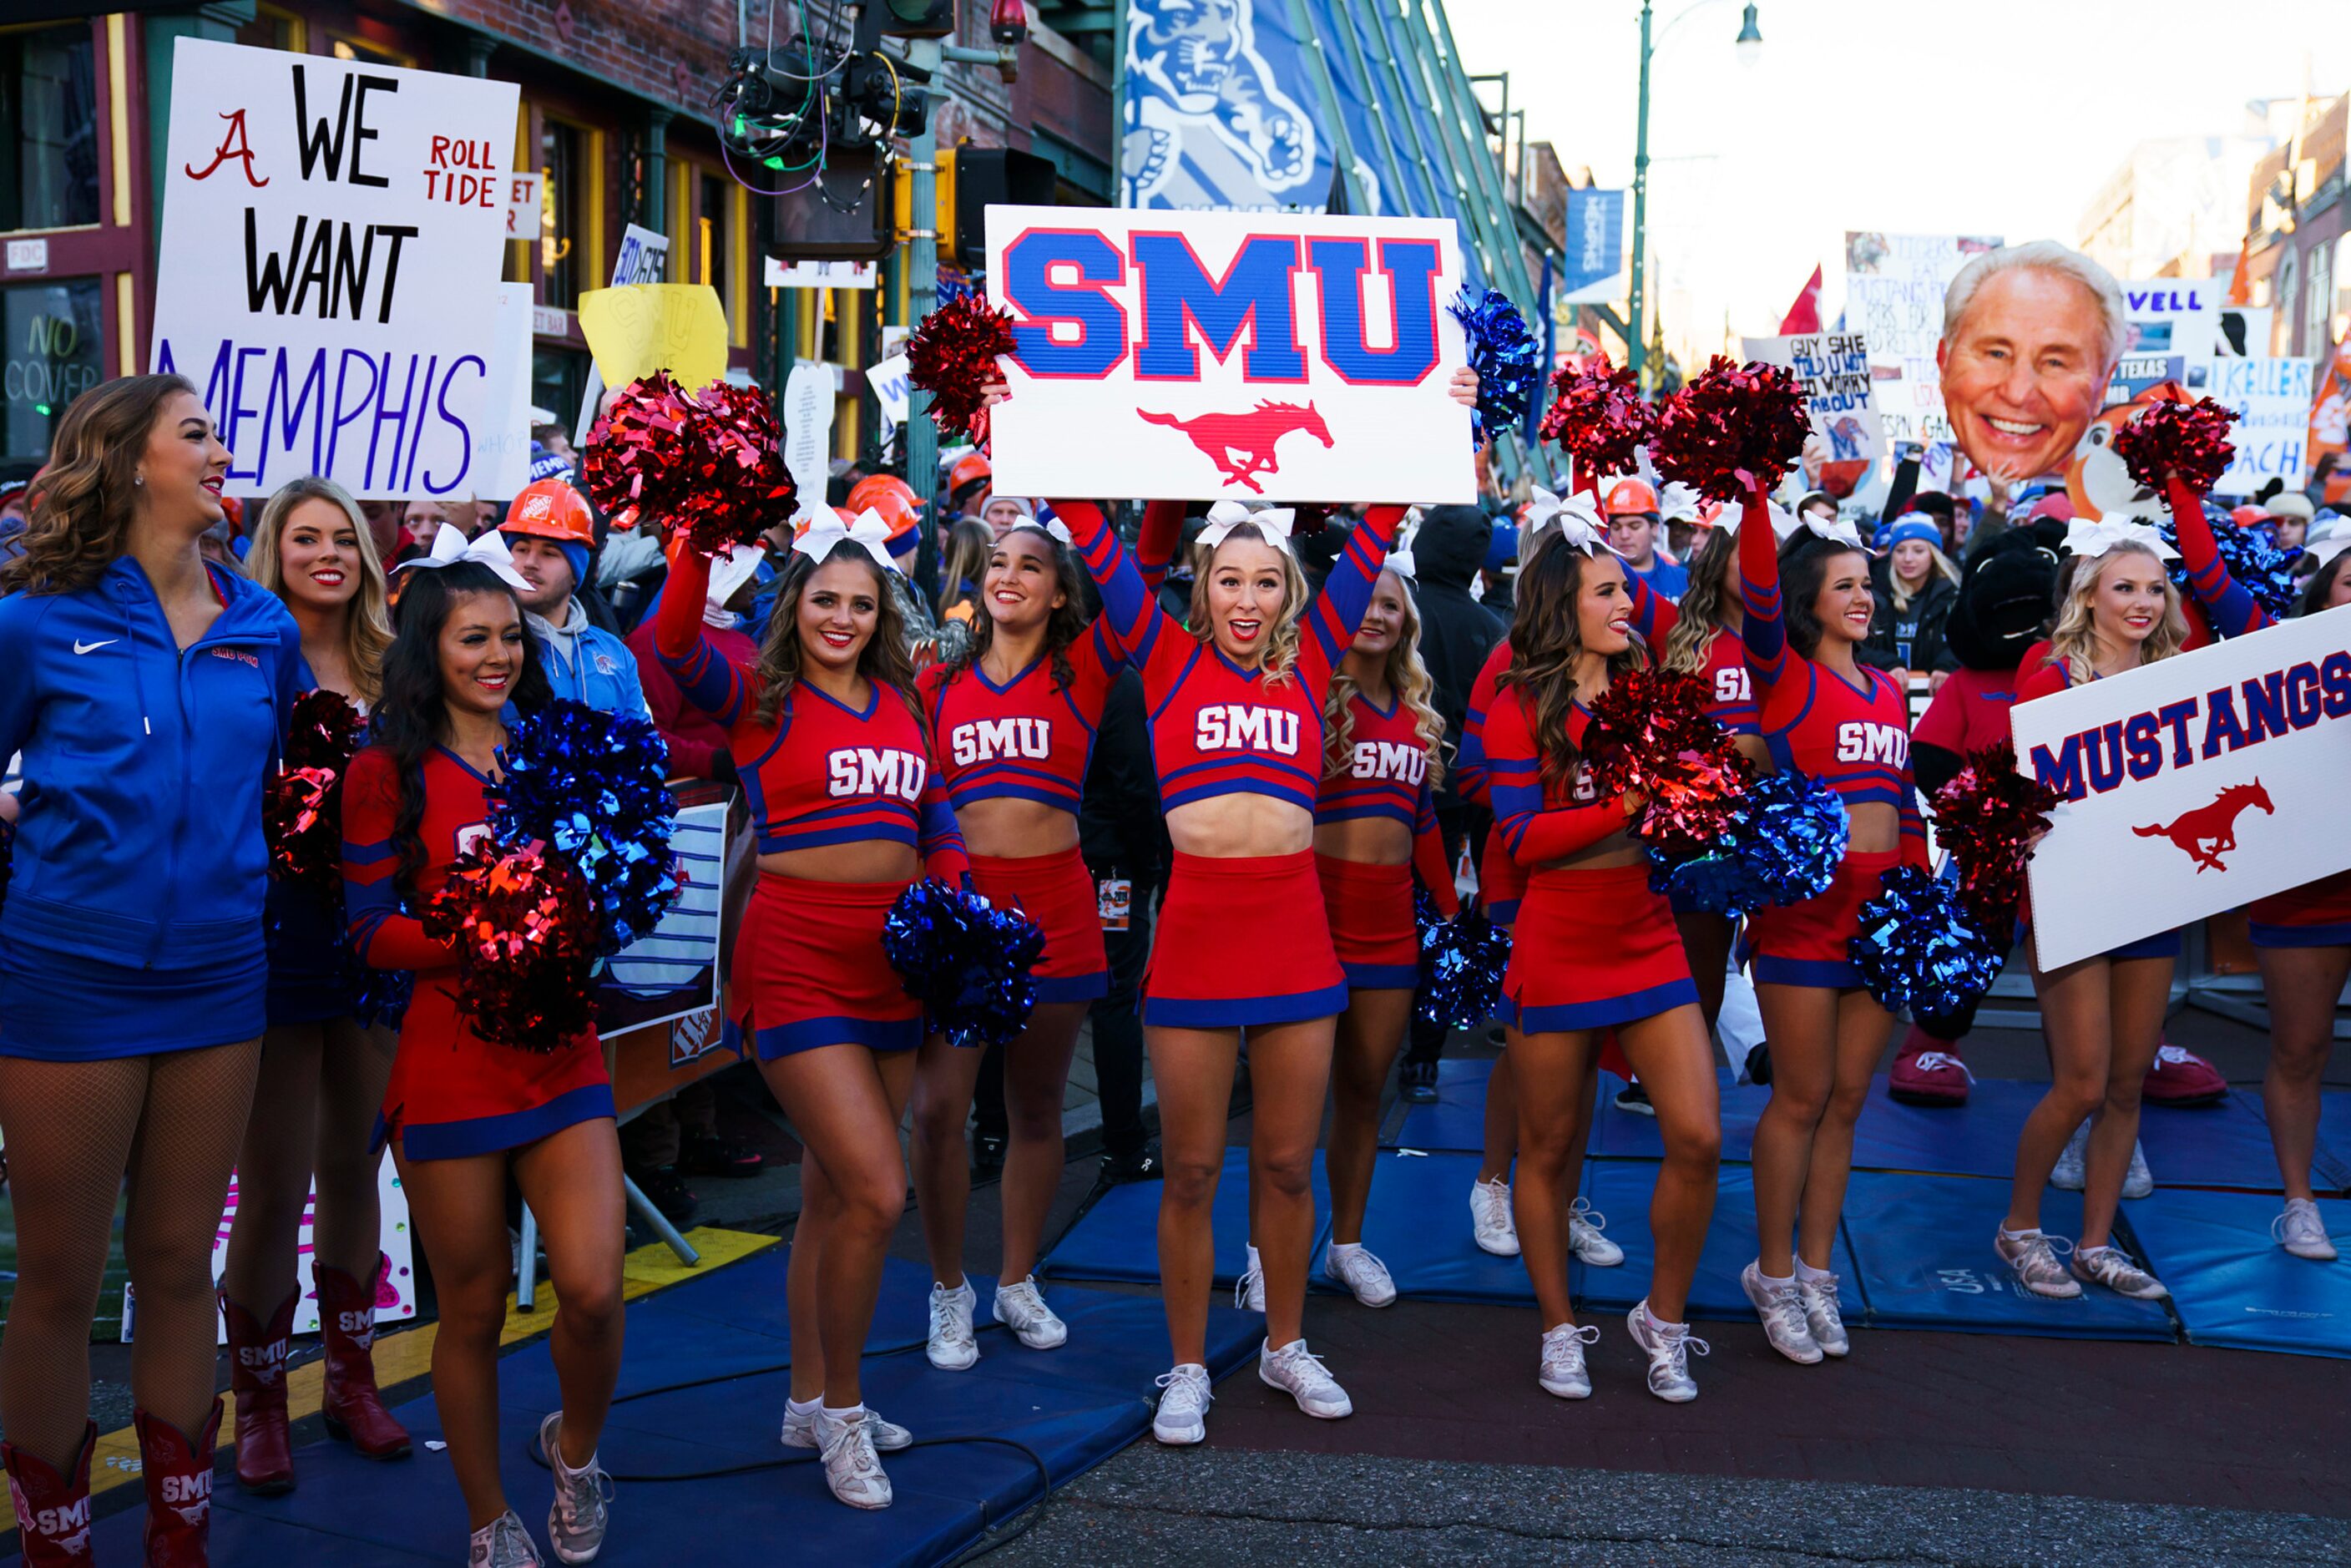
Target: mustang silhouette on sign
[[1241, 444], [2206, 832]]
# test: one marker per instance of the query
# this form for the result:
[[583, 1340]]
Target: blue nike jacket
[[140, 840]]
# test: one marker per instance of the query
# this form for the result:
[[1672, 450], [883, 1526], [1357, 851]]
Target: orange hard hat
[[1629, 496], [552, 509], [889, 497], [972, 468], [2249, 517]]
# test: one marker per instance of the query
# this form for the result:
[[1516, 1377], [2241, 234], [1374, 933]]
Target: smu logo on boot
[[265, 1361], [357, 1326], [1238, 727], [990, 739]]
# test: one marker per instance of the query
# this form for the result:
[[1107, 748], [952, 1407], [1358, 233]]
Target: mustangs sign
[[2194, 786], [1249, 356]]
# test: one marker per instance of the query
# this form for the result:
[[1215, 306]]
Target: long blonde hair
[[84, 500], [1901, 595], [1281, 643], [2074, 644], [1704, 604], [1407, 677], [367, 619], [963, 560]]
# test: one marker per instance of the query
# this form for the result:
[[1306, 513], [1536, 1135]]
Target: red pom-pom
[[1733, 428], [1650, 732], [525, 942], [707, 463], [1988, 816], [301, 808], [2189, 439], [1599, 418], [952, 356]]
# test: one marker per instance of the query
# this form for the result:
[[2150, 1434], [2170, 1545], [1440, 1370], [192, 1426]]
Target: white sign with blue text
[[2271, 399], [1833, 368], [2190, 785], [328, 277]]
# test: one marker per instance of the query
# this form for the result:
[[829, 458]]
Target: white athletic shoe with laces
[[1183, 1416], [576, 1521], [2138, 1181], [800, 1430], [1668, 1347], [2112, 1266], [1490, 1220], [2033, 1255], [1299, 1373], [1364, 1275], [1822, 1316], [2069, 1176], [1562, 1374], [1022, 1308], [1248, 1292], [2302, 1231], [851, 1468], [1585, 1225], [1783, 1312], [952, 1346], [503, 1543]]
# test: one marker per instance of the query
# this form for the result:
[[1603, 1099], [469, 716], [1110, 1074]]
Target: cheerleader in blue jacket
[[147, 691]]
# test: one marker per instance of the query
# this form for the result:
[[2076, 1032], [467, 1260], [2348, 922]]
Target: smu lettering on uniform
[[986, 740], [1236, 726], [1860, 742], [1731, 686], [2232, 718], [1390, 759], [866, 770]]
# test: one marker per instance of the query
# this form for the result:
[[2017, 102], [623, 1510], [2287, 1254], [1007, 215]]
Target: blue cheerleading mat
[[1621, 1190], [1417, 1223], [2226, 1144], [1923, 1244], [1626, 1135], [2235, 1287], [1456, 1121], [2333, 1166], [1118, 1238], [1074, 1407]]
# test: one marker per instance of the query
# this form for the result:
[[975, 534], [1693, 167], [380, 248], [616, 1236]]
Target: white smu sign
[[1254, 356], [2194, 785]]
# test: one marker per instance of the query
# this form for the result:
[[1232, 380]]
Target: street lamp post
[[1747, 46]]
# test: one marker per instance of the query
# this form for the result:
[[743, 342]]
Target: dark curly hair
[[1064, 627], [883, 660], [1546, 638], [413, 718], [1803, 567]]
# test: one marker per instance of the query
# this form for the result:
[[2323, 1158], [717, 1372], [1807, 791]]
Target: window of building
[[563, 213], [2289, 295], [349, 47], [52, 349], [713, 233], [48, 128], [558, 380], [2338, 325], [2317, 299], [272, 28]]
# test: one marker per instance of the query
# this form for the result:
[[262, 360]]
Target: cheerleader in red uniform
[[462, 1115], [827, 739], [1375, 829], [2103, 1016], [1826, 716], [1012, 722], [1593, 950]]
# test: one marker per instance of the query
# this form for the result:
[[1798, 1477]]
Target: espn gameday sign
[[1242, 356], [2192, 786]]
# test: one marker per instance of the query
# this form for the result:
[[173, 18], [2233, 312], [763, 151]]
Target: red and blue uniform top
[[1854, 738], [1385, 775], [1215, 727], [2228, 605], [452, 1094], [1029, 739], [1540, 820], [824, 772]]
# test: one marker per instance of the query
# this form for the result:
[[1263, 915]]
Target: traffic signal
[[974, 178], [919, 18]]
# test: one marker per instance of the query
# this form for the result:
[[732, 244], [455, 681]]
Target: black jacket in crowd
[[1120, 829], [1911, 639], [1456, 633]]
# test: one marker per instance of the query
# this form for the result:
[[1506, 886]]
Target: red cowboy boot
[[52, 1506], [257, 1353], [178, 1469], [353, 1408]]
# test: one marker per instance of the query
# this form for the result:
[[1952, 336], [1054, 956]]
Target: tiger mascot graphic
[[1206, 124]]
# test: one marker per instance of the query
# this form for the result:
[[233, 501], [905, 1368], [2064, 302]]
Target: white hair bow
[[1679, 503], [1400, 562], [1045, 524], [1577, 518], [450, 547], [869, 533], [1273, 522], [1836, 530], [2087, 538], [1783, 522], [2329, 539]]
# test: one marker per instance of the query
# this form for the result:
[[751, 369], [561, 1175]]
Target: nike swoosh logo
[[82, 647]]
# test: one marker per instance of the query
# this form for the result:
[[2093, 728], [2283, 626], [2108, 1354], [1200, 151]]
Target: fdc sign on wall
[[328, 270], [1251, 355], [2193, 785]]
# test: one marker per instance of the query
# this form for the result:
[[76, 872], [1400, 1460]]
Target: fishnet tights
[[172, 1121]]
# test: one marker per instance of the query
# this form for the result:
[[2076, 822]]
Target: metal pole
[[1636, 346], [922, 299]]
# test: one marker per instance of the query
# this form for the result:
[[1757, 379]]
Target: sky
[[1988, 117]]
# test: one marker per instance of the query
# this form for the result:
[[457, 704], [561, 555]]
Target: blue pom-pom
[[589, 785], [1917, 948], [966, 961], [1462, 961], [381, 996], [7, 847], [2265, 570], [1782, 841], [1506, 356]]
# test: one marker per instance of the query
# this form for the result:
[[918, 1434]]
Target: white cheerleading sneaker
[[952, 1346], [1783, 1312], [1563, 1373], [1364, 1276], [800, 1430], [851, 1468], [1490, 1220], [1299, 1373], [2302, 1231], [1182, 1418], [1668, 1347], [1585, 1225], [1022, 1308], [1823, 1314], [1249, 1294]]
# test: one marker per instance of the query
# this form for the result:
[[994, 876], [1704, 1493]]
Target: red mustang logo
[[2204, 833], [1241, 444]]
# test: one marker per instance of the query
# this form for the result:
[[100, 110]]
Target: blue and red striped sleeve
[[2228, 605], [704, 675], [938, 838], [1162, 537], [1336, 612], [1469, 773], [1781, 677], [1534, 835], [382, 936], [1428, 857], [1131, 615], [1653, 615]]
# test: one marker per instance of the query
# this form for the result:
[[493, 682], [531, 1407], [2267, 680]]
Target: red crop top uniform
[[452, 1094], [1242, 940], [1029, 739], [808, 966], [1592, 945], [1384, 776], [1854, 738]]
